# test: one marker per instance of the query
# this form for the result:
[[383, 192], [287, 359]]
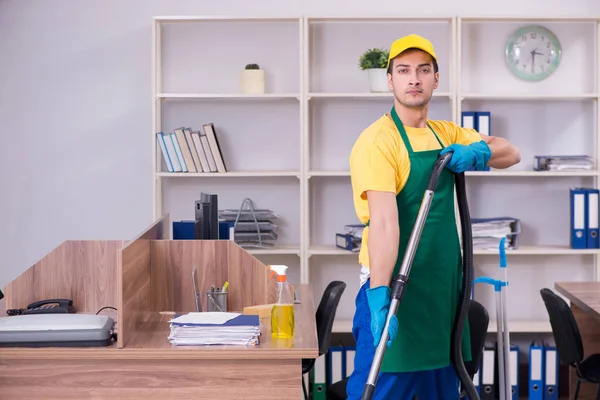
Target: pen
[[225, 286]]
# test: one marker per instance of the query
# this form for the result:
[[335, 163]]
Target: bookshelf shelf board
[[275, 250], [541, 251], [492, 174], [328, 173], [537, 96], [522, 250], [233, 96], [233, 174], [365, 95], [330, 251], [536, 174], [223, 18]]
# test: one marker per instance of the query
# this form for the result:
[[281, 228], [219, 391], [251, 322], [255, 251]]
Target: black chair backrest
[[478, 325], [326, 313], [564, 328]]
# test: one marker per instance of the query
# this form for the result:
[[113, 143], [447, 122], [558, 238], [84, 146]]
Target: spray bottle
[[282, 313]]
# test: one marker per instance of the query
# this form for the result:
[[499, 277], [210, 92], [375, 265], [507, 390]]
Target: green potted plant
[[374, 61], [253, 80]]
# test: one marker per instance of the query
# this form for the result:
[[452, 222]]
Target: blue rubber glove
[[379, 305], [474, 155]]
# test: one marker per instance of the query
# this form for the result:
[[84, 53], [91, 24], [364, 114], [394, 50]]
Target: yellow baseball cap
[[408, 42]]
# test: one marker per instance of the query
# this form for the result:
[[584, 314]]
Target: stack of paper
[[563, 163], [210, 328], [488, 232]]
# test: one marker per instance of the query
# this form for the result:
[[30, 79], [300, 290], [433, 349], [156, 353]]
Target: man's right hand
[[379, 305]]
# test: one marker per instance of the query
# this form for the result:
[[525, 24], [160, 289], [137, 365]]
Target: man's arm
[[504, 154], [384, 236]]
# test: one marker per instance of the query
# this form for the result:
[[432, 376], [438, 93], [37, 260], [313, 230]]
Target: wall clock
[[533, 53]]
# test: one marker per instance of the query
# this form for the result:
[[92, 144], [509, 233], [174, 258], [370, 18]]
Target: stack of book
[[214, 328]]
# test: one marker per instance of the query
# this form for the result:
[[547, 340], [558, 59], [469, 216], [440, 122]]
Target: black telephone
[[58, 306]]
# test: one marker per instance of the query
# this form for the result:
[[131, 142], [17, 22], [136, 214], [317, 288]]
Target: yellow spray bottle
[[282, 313]]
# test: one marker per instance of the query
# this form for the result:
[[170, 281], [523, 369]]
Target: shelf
[[541, 251], [222, 18], [276, 250], [330, 251], [345, 326], [561, 18], [321, 102], [514, 96], [328, 173], [379, 18], [522, 250], [234, 96], [366, 95], [538, 174], [236, 174], [493, 173]]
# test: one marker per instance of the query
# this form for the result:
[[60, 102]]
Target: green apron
[[428, 308]]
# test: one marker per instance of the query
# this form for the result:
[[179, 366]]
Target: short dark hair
[[435, 64]]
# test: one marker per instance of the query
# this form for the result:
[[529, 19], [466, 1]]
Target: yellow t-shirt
[[379, 160]]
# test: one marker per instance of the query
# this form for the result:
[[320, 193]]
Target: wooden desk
[[151, 368], [585, 304], [153, 276]]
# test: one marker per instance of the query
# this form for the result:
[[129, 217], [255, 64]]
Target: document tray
[[56, 330]]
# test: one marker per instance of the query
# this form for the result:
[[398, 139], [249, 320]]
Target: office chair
[[325, 316], [478, 323], [568, 341]]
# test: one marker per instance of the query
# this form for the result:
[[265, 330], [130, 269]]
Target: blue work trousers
[[437, 384]]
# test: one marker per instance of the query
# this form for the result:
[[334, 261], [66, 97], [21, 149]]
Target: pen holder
[[216, 301]]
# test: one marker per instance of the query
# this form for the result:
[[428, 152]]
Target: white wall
[[75, 108]]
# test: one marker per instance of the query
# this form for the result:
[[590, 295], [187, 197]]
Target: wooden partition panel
[[82, 270], [249, 280], [172, 264], [134, 280], [217, 261]]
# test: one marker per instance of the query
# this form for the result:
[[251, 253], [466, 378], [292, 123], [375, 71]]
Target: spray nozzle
[[279, 270]]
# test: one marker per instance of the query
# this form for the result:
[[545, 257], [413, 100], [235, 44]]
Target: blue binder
[[536, 371], [336, 365], [514, 371], [484, 122], [593, 241], [579, 218], [183, 230], [551, 374], [468, 120]]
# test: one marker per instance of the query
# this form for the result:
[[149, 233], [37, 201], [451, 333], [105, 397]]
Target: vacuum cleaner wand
[[400, 281]]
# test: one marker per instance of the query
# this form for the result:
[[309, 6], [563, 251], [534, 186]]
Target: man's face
[[412, 78]]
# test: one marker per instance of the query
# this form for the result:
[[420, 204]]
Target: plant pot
[[378, 80], [253, 81]]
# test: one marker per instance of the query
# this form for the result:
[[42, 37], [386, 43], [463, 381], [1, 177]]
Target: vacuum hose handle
[[438, 167]]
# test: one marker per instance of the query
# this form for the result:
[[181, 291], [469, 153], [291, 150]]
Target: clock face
[[533, 53]]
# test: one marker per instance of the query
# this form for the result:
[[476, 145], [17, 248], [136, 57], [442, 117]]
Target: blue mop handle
[[496, 283], [502, 253]]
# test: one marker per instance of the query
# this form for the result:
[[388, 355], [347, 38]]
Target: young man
[[390, 165]]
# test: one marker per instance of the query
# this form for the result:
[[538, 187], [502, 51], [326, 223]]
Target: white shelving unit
[[288, 149]]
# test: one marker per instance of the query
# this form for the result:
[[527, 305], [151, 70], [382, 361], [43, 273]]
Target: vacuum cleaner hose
[[467, 283]]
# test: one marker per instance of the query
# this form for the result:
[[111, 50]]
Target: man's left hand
[[464, 157]]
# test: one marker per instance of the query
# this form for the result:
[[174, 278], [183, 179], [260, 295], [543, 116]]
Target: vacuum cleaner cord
[[467, 283]]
